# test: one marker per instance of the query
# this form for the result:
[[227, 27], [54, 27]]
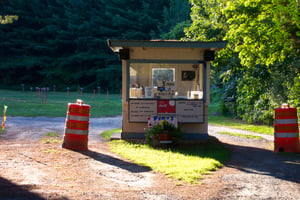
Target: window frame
[[204, 81]]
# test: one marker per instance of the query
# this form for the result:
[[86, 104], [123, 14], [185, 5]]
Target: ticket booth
[[165, 79]]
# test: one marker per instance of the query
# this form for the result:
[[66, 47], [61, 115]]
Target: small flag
[[4, 117]]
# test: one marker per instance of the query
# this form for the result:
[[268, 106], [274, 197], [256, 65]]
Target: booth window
[[162, 74], [165, 80]]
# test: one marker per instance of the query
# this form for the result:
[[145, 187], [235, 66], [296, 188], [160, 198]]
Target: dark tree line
[[63, 42]]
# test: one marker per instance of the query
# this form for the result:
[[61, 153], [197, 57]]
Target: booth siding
[[163, 79]]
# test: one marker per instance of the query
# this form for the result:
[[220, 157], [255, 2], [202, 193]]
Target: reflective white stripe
[[286, 135], [77, 132], [77, 118], [286, 121]]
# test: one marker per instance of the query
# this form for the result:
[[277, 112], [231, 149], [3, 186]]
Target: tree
[[261, 61], [63, 42], [8, 19], [176, 17]]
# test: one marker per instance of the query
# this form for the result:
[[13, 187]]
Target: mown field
[[54, 104]]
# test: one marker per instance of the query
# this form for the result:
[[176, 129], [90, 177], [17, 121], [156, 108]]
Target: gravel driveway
[[253, 172], [258, 173]]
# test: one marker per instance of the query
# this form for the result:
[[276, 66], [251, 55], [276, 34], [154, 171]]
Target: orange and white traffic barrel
[[77, 126], [286, 130]]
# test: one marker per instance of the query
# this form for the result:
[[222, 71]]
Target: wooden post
[[37, 92], [22, 85], [107, 94], [68, 91], [99, 90], [45, 95]]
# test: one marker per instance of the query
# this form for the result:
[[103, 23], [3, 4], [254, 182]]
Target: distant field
[[31, 104]]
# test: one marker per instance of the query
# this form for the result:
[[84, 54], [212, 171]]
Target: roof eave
[[116, 44]]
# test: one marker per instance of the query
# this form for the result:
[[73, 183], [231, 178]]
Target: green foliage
[[176, 17], [164, 127], [63, 42], [207, 21], [177, 32], [259, 69], [8, 19], [294, 94], [238, 124]]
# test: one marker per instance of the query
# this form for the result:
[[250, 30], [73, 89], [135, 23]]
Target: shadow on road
[[285, 166], [10, 190], [132, 167]]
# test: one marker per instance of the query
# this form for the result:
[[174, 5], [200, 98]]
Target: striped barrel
[[77, 126], [286, 130]]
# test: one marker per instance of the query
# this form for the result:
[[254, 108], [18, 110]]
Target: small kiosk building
[[165, 79]]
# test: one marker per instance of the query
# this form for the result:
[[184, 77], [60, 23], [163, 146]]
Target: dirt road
[[32, 168]]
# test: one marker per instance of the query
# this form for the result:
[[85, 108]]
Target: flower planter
[[163, 133], [165, 138]]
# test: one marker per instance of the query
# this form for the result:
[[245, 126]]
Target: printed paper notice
[[140, 110], [190, 111]]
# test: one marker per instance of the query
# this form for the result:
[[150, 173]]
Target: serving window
[[151, 80]]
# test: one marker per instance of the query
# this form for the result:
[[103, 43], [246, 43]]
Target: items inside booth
[[166, 81]]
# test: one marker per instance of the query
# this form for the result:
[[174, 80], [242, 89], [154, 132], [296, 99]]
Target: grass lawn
[[184, 164], [30, 104], [238, 124], [241, 135], [107, 134], [235, 123]]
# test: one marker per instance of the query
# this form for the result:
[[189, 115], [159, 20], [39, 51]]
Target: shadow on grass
[[129, 166], [12, 191], [284, 166], [210, 148]]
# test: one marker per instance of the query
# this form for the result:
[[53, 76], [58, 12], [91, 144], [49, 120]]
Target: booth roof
[[116, 44]]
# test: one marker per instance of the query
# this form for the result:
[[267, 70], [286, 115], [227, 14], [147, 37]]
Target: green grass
[[241, 135], [184, 164], [238, 124], [229, 121], [51, 134], [107, 134], [28, 104], [51, 138]]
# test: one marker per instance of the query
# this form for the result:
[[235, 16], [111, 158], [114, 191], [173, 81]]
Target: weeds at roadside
[[2, 132], [51, 134], [51, 151], [51, 138]]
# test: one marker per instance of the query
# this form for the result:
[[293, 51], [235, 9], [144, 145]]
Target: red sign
[[165, 106]]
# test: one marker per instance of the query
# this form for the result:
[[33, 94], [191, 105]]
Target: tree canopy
[[260, 68], [63, 42]]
